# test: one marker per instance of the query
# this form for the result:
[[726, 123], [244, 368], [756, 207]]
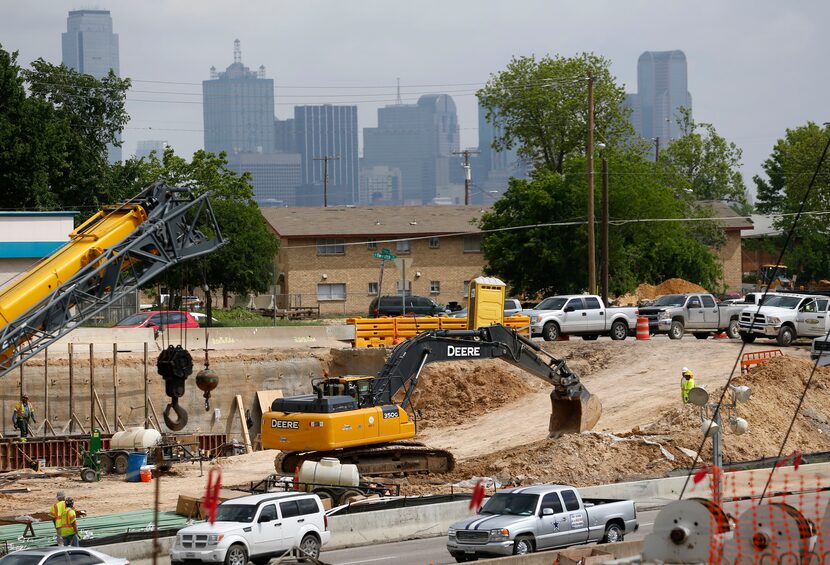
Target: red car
[[169, 319]]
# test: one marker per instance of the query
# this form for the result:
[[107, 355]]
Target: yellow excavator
[[363, 419]]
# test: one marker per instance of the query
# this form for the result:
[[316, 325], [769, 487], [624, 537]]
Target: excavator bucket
[[572, 415]]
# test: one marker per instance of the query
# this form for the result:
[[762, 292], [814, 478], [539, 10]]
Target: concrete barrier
[[128, 339], [279, 337], [396, 524], [137, 550]]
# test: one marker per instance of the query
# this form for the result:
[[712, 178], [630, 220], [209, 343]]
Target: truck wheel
[[786, 336], [88, 475], [733, 330], [676, 330], [701, 335], [523, 545], [619, 330], [613, 534], [236, 555], [106, 464], [120, 462], [348, 495], [747, 337], [550, 332], [310, 546]]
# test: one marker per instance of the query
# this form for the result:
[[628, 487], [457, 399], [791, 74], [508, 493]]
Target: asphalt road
[[434, 551]]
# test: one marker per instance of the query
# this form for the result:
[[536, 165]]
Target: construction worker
[[687, 383], [68, 524], [55, 512], [23, 414]]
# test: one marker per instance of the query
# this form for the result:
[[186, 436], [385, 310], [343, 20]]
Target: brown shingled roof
[[373, 220], [728, 218]]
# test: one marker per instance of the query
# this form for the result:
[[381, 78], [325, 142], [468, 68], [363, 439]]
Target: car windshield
[[235, 512], [554, 303], [133, 320], [22, 559], [509, 503], [781, 301], [674, 300]]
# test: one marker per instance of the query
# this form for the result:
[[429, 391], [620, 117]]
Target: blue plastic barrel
[[136, 460]]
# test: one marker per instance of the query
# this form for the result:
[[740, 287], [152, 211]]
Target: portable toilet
[[485, 302]]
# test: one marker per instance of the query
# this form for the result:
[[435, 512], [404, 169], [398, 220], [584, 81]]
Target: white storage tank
[[329, 471], [135, 439]]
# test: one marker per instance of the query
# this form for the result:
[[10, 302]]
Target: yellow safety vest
[[685, 386], [67, 522], [20, 410], [57, 511]]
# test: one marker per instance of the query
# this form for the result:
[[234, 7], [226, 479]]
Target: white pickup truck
[[786, 317], [580, 314], [526, 519]]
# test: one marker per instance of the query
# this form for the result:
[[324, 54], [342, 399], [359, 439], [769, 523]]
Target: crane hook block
[[174, 365]]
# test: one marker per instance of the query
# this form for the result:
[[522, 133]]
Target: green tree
[[245, 264], [789, 170], [551, 259], [703, 164], [541, 107]]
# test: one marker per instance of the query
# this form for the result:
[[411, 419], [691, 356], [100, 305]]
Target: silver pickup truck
[[527, 519], [675, 314], [580, 314]]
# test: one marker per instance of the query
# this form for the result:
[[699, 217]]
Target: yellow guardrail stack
[[386, 332]]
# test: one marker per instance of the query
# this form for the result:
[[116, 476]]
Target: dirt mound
[[672, 286], [452, 393]]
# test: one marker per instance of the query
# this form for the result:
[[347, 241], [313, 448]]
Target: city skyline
[[730, 56]]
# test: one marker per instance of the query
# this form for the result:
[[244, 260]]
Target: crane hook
[[181, 415]]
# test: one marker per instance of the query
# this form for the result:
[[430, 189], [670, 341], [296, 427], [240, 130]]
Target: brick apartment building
[[730, 254], [326, 254]]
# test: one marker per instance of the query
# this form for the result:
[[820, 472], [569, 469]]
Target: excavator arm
[[574, 409]]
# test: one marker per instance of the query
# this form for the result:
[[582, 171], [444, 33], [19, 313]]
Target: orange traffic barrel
[[642, 327]]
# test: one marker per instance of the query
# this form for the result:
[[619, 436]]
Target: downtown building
[[90, 47], [662, 89], [418, 140], [326, 131], [493, 169]]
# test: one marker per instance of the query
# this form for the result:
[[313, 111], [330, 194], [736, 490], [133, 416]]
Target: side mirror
[[547, 511], [263, 518], [569, 309]]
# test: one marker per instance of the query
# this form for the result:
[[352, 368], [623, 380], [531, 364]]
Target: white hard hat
[[685, 370]]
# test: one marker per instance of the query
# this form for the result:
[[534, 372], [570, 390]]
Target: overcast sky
[[755, 67]]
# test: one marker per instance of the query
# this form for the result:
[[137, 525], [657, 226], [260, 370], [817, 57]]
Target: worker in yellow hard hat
[[24, 415], [687, 383]]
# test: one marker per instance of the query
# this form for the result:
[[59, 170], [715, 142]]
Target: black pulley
[[174, 365]]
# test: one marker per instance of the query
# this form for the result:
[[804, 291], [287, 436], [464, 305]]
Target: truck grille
[[472, 536], [198, 541], [746, 318], [821, 345]]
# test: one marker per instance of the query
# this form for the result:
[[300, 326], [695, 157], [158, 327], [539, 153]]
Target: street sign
[[384, 255]]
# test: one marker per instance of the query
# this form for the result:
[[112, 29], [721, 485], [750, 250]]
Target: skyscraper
[[145, 147], [418, 139], [329, 131], [238, 109], [493, 169], [662, 89], [90, 47]]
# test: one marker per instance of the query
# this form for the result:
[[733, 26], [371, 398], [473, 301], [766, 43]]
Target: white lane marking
[[365, 560]]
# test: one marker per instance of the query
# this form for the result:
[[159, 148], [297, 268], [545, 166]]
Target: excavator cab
[[357, 387]]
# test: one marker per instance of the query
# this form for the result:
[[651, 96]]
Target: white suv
[[256, 528]]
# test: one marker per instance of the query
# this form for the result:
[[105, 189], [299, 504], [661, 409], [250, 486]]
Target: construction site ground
[[494, 418]]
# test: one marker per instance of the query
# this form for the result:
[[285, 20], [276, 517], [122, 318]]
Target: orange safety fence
[[388, 331], [755, 357]]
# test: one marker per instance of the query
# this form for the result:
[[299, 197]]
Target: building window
[[408, 286], [472, 243], [331, 246], [434, 243], [373, 288], [466, 288], [372, 243], [435, 287], [403, 247], [331, 291]]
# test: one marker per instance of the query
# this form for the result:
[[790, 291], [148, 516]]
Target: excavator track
[[390, 459]]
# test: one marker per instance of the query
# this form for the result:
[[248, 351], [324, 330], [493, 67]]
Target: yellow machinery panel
[[305, 431], [86, 244], [485, 302]]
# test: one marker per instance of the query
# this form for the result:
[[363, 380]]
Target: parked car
[[582, 315], [512, 306], [59, 556], [785, 317], [526, 519], [820, 350], [255, 528], [675, 314], [168, 319], [394, 306]]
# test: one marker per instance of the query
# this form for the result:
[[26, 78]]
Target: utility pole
[[592, 265], [325, 161], [467, 172], [604, 236]]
